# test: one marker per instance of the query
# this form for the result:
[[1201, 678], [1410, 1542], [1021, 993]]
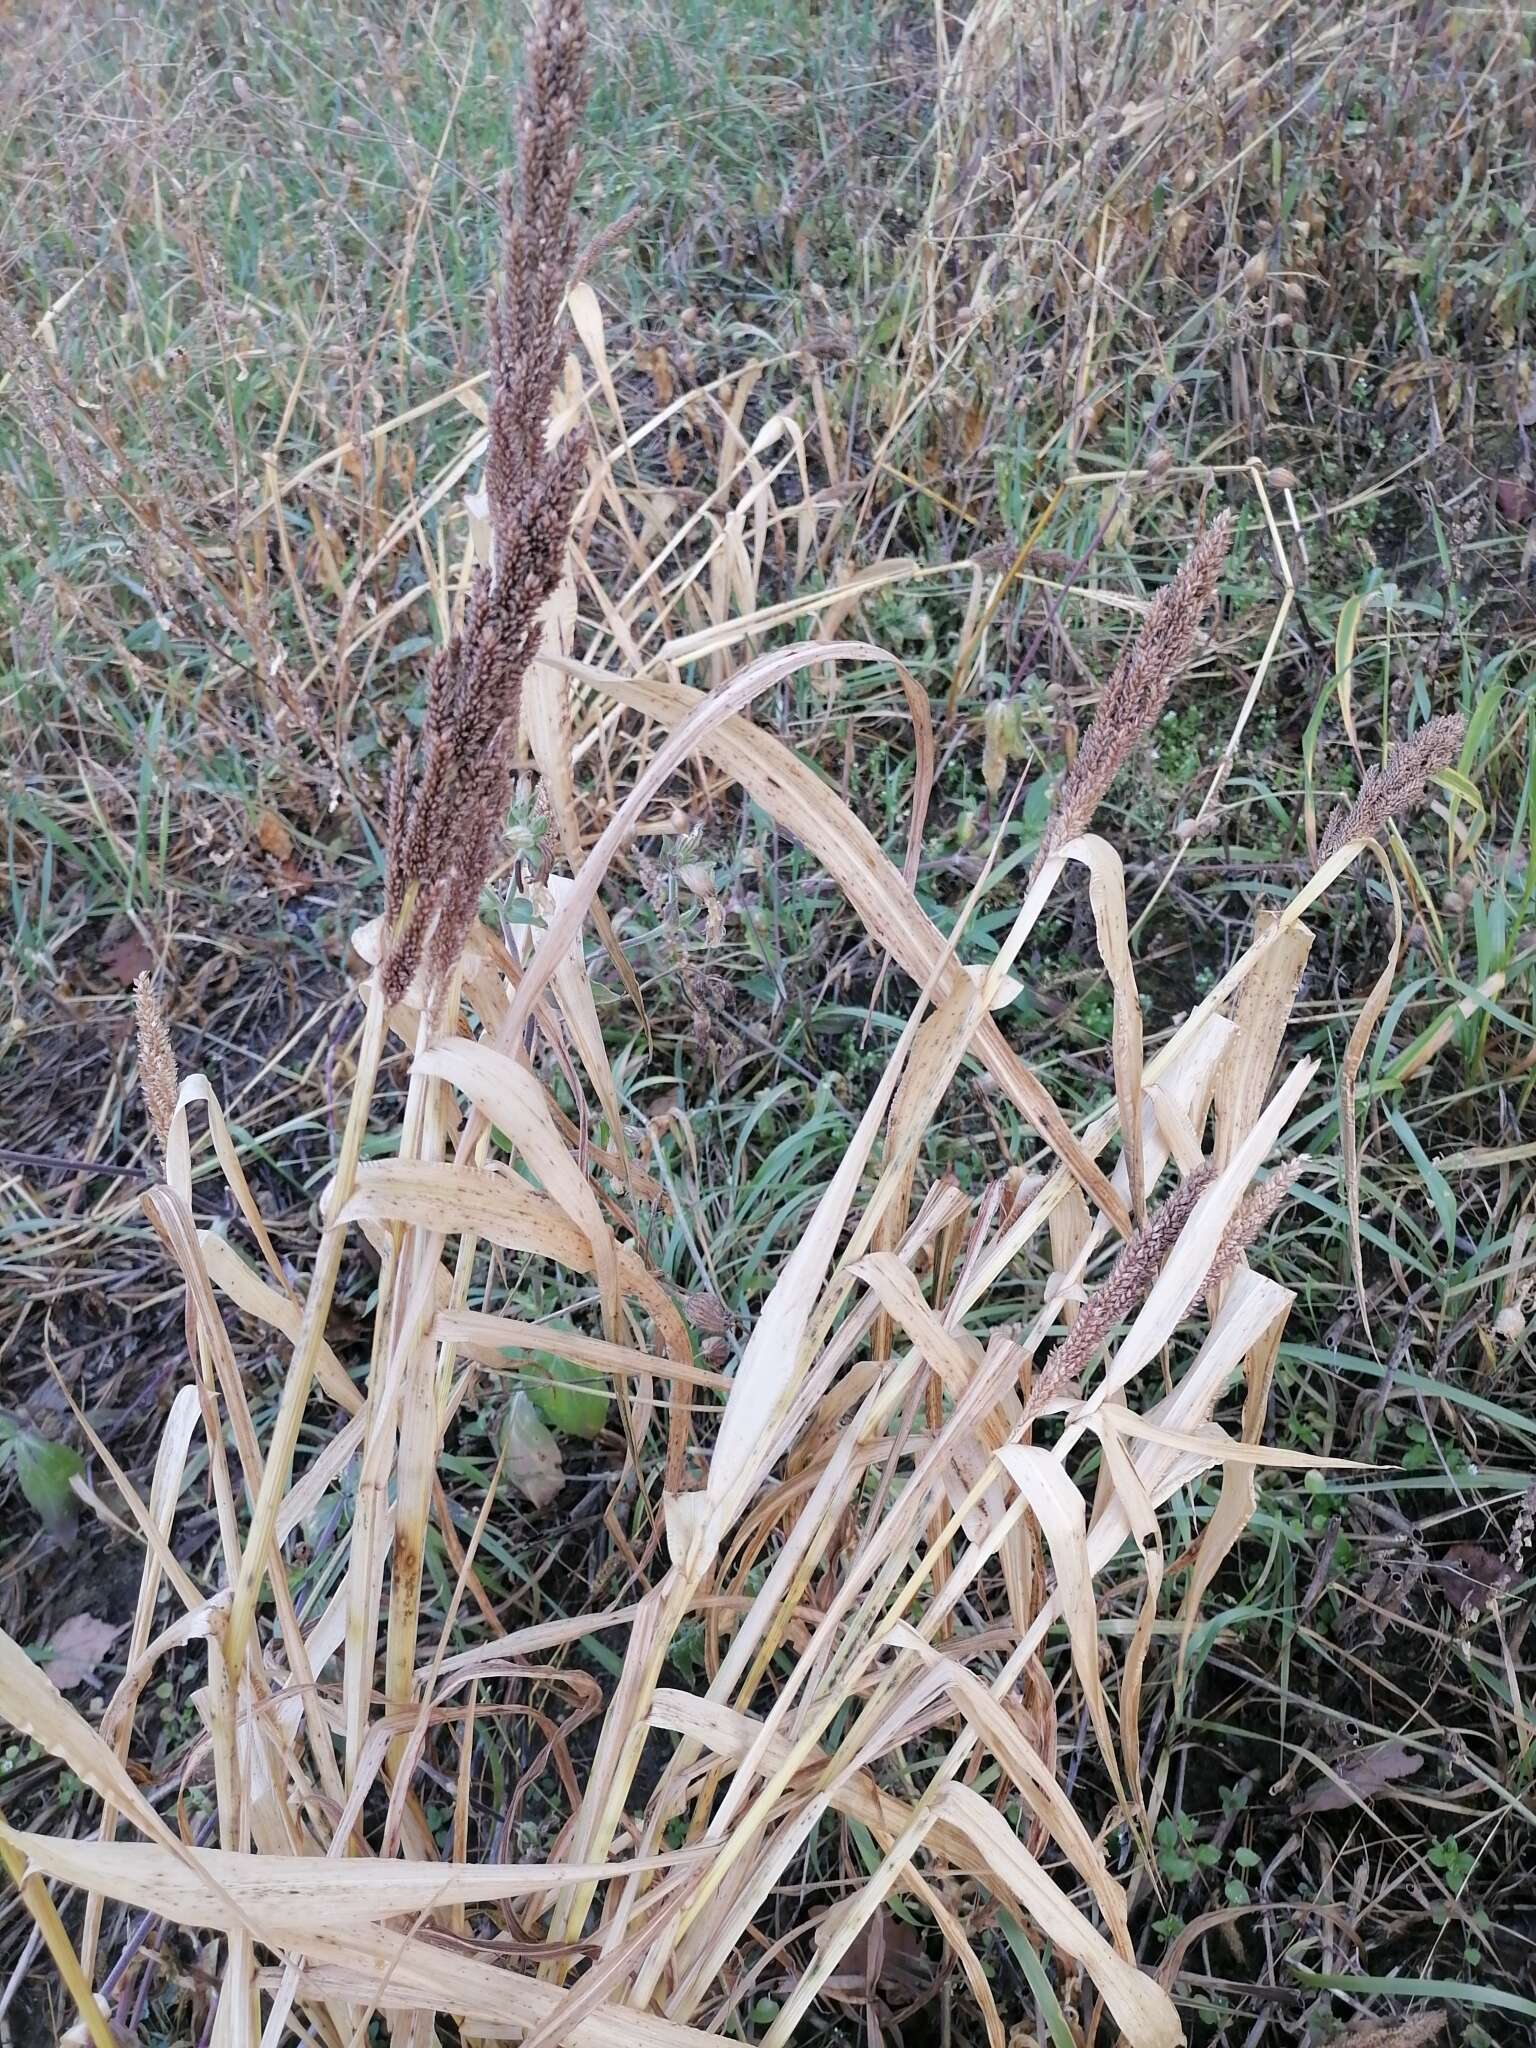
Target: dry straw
[[831, 1553]]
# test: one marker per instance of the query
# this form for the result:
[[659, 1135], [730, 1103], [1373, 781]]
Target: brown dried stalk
[[1127, 1287], [1399, 786], [443, 835], [157, 1060], [1138, 687]]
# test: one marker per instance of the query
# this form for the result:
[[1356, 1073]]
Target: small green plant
[[571, 1397], [1235, 1890], [1181, 1854], [1454, 1863], [16, 1756], [1427, 1453], [45, 1471]]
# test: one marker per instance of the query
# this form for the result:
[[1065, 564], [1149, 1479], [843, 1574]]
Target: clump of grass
[[832, 1556]]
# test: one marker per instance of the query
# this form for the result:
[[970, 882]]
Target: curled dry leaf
[[1471, 1577], [127, 959]]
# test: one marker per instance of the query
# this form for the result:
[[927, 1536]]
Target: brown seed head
[[1138, 687], [1252, 1216], [444, 833], [1128, 1284], [157, 1061], [1399, 786], [708, 1314]]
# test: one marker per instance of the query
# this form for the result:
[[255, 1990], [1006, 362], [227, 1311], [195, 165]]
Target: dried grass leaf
[[1143, 2010], [1058, 1507], [510, 1097], [791, 794]]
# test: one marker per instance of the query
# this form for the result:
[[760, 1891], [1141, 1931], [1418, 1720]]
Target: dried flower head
[[443, 833], [1399, 786], [1124, 1290], [157, 1061], [708, 1314], [1138, 687]]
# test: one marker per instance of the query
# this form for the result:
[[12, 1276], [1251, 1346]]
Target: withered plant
[[829, 1512]]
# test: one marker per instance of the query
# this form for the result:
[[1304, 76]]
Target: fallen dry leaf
[[531, 1452], [78, 1646], [1363, 1776], [1418, 2032], [273, 836], [1471, 1577], [128, 959], [1516, 500], [885, 1960]]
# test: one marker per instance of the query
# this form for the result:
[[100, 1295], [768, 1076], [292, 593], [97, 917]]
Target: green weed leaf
[[570, 1398], [44, 1471]]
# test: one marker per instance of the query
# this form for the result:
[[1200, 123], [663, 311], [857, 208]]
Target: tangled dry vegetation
[[896, 1530]]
